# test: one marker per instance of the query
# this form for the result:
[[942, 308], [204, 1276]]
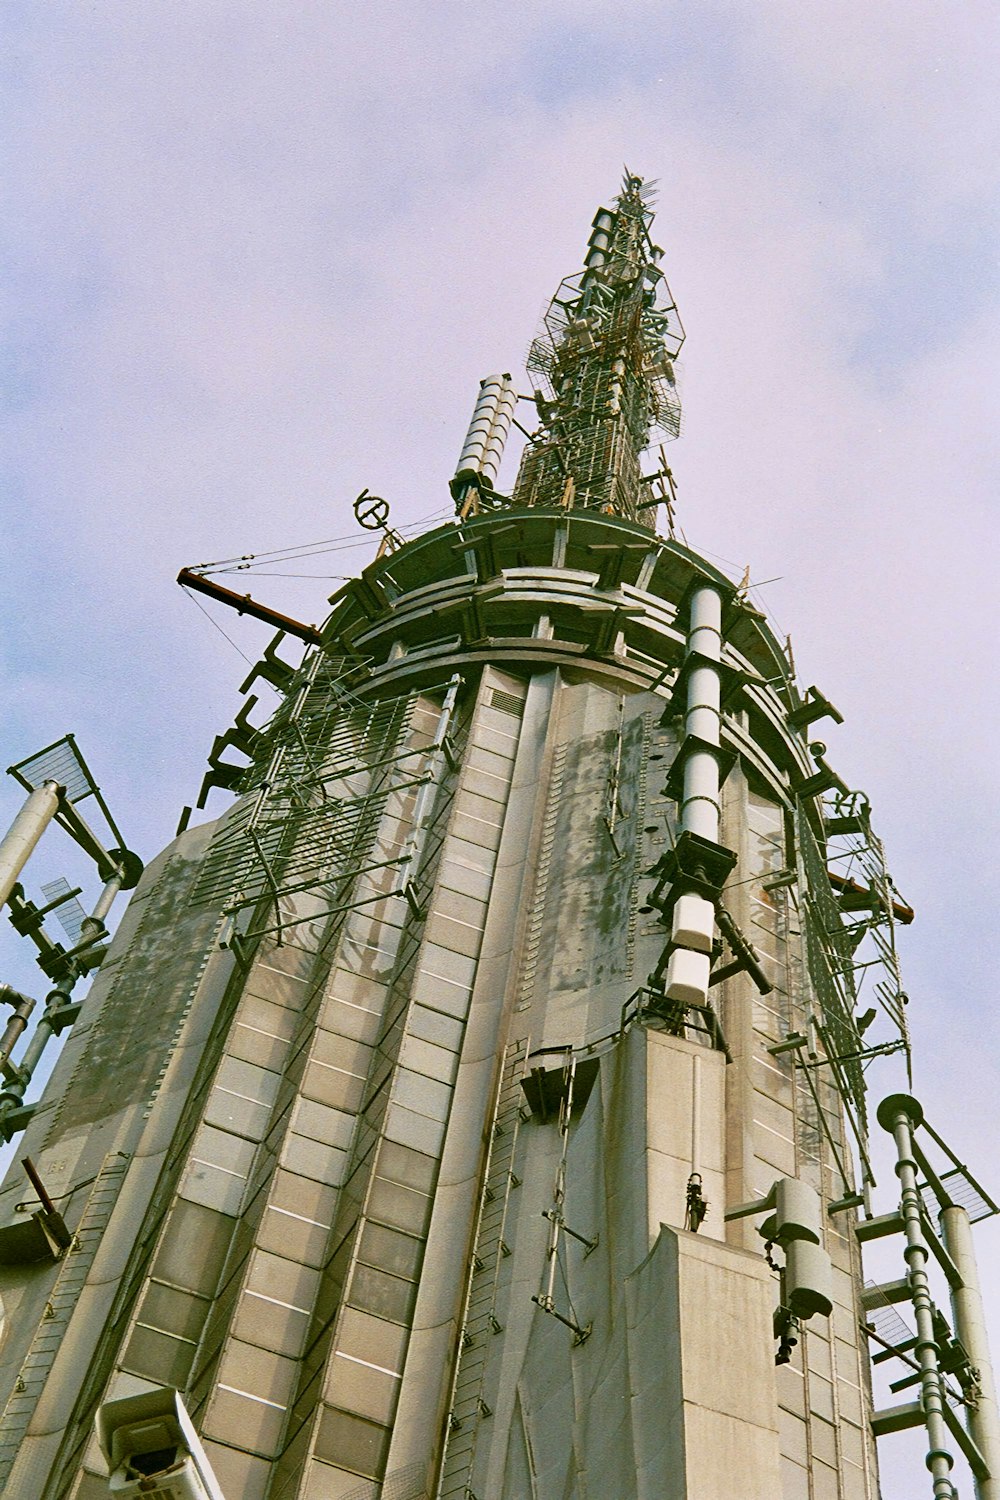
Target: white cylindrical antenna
[[700, 806], [479, 460], [27, 828]]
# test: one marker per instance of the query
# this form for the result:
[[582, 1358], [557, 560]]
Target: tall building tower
[[477, 1109]]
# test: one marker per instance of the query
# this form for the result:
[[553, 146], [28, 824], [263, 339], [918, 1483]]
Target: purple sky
[[258, 258]]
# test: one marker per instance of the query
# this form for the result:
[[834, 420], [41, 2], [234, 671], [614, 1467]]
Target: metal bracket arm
[[581, 1332], [244, 605], [555, 1218]]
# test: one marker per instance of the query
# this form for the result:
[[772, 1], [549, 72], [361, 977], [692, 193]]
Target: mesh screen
[[968, 1195], [61, 762], [70, 913], [315, 797], [886, 1321]]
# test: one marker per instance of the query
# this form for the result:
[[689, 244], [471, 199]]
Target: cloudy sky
[[257, 257]]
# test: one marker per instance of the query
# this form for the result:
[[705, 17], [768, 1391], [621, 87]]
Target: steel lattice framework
[[604, 357]]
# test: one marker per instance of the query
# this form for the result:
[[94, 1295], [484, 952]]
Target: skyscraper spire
[[604, 361], [435, 1113]]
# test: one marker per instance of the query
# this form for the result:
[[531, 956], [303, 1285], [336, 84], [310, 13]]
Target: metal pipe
[[79, 829], [970, 1329], [48, 1026], [701, 809], [93, 926], [37, 812], [244, 605], [704, 693], [899, 1114], [705, 633], [22, 1005], [429, 784], [33, 1052], [696, 1116], [31, 1172], [700, 802]]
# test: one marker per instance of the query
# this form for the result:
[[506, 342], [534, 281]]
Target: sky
[[258, 258]]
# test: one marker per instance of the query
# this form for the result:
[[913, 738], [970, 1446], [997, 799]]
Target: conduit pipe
[[37, 812], [22, 1006], [970, 1329], [48, 1026], [94, 926], [900, 1114], [700, 804], [436, 762], [696, 1116]]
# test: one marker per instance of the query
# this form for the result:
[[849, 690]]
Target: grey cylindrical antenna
[[479, 460], [970, 1328], [22, 1005], [700, 806], [599, 243]]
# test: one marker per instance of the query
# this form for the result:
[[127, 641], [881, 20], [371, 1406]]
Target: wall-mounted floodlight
[[151, 1437]]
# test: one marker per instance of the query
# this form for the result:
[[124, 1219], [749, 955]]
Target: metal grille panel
[[69, 912], [967, 1193], [61, 762], [326, 767]]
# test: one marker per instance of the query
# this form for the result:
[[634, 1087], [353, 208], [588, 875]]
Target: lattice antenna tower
[[604, 361]]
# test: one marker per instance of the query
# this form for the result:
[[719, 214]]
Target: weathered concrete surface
[[676, 1401]]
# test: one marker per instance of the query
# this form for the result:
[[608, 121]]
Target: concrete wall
[[639, 1406], [104, 1139]]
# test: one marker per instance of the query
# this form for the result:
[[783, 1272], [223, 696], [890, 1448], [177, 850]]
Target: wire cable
[[227, 637], [245, 560], [322, 577]]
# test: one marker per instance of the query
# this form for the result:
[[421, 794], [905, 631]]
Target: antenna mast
[[604, 360]]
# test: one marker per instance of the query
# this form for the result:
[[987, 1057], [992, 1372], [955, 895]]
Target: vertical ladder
[[468, 1407], [73, 1272]]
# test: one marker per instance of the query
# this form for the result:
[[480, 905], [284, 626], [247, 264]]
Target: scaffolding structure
[[57, 779], [851, 914], [868, 898]]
